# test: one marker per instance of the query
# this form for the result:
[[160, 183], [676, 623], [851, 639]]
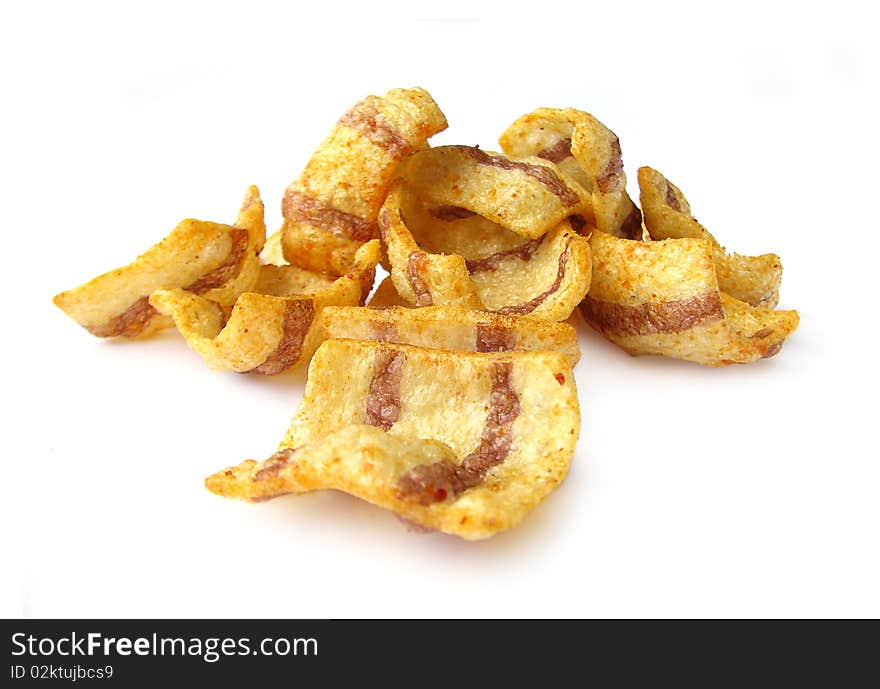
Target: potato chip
[[543, 278], [752, 279], [420, 278], [588, 152], [268, 332], [216, 261], [450, 328], [662, 297], [376, 422], [331, 209], [528, 196]]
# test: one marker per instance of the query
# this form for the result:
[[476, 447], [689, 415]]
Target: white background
[[744, 491]]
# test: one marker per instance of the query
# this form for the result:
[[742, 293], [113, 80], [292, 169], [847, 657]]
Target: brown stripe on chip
[[129, 323], [494, 338], [271, 467], [430, 483], [772, 350], [415, 264], [532, 304], [648, 318], [672, 198], [230, 268], [544, 175], [523, 252], [558, 152], [632, 226], [383, 331], [366, 118], [383, 402], [298, 317], [304, 208], [497, 437], [610, 177]]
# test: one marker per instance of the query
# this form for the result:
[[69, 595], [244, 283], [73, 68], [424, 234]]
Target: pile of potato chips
[[449, 398]]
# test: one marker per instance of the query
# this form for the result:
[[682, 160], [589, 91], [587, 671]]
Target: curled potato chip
[[752, 279], [331, 209], [544, 278], [272, 331], [420, 278], [547, 282], [451, 328], [587, 151], [204, 258], [662, 297], [528, 196], [375, 423]]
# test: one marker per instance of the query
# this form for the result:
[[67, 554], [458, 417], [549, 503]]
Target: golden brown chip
[[375, 422], [216, 261], [662, 297], [527, 197], [331, 209], [270, 332], [451, 328], [589, 153], [752, 279], [543, 278]]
